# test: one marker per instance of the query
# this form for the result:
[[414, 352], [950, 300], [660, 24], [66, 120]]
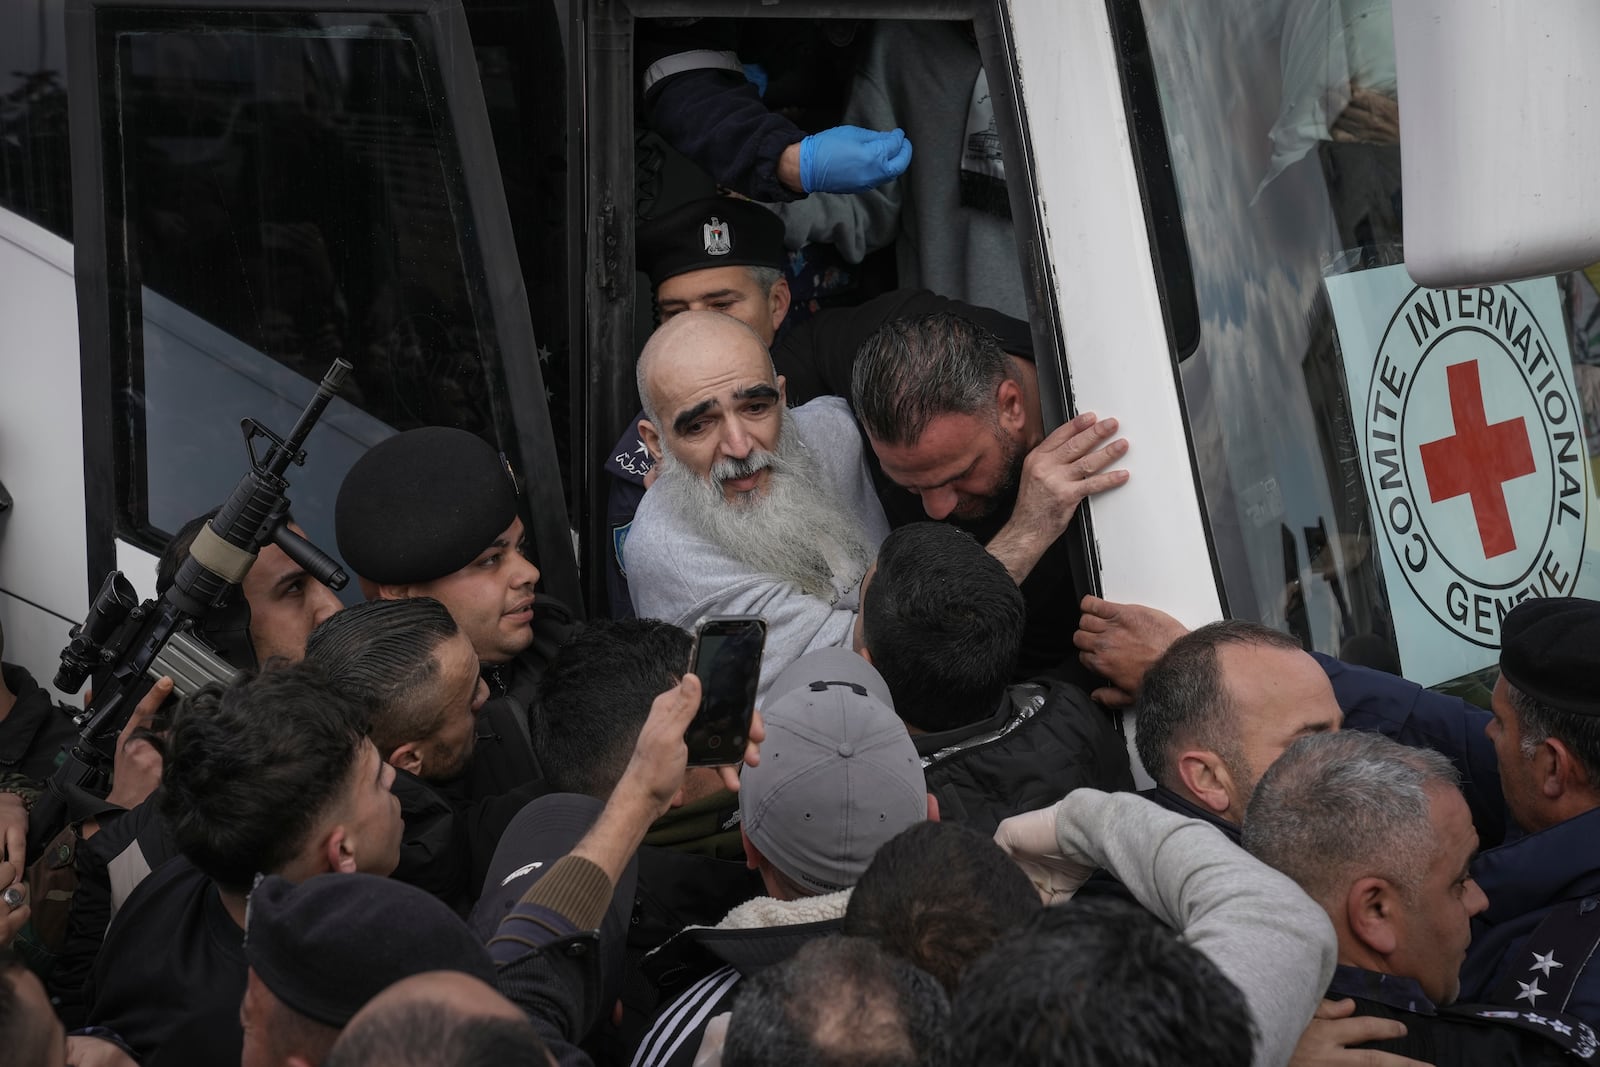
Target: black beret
[[717, 231], [422, 505], [330, 944], [1550, 650]]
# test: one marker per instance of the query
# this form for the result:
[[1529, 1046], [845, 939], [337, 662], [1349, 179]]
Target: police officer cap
[[1550, 650], [716, 231], [330, 944], [422, 505]]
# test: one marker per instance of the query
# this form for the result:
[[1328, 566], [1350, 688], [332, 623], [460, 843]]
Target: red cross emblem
[[1478, 460]]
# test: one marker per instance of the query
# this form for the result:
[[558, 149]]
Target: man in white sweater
[[757, 510]]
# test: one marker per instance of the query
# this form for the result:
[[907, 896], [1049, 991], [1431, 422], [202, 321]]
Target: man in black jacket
[[943, 621], [434, 512]]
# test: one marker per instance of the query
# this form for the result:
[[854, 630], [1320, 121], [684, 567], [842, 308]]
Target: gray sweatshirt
[[677, 575], [1270, 939]]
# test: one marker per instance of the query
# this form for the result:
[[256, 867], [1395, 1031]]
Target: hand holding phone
[[727, 660]]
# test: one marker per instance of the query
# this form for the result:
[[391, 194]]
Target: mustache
[[728, 470]]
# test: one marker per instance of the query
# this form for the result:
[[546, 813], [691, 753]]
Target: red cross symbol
[[1478, 460]]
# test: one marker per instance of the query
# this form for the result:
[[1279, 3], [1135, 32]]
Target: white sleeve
[[1271, 940]]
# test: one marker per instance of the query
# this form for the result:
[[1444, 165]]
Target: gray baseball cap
[[838, 776]]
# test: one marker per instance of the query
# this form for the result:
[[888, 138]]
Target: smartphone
[[727, 660]]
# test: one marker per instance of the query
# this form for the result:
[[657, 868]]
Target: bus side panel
[[42, 544]]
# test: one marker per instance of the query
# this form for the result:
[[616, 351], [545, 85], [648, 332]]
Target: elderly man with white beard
[[757, 509]]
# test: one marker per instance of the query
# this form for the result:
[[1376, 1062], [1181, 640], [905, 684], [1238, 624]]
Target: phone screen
[[727, 660]]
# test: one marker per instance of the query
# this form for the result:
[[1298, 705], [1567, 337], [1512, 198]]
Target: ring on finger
[[14, 895]]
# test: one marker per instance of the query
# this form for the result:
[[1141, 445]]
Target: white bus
[[1208, 219]]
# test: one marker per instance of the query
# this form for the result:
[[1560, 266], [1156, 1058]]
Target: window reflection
[[1283, 124]]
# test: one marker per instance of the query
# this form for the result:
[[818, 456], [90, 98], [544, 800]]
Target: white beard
[[794, 529]]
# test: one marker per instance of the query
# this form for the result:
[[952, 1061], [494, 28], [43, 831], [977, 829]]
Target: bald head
[[711, 399], [438, 1019], [458, 993], [683, 345]]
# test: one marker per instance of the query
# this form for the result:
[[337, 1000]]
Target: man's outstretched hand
[[653, 777], [1120, 642]]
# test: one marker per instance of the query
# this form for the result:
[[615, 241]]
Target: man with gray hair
[[756, 510], [1379, 835]]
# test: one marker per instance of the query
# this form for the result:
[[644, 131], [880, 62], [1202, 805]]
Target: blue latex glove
[[756, 75], [849, 159]]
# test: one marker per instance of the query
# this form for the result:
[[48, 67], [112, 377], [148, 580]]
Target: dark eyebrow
[[291, 578], [756, 392], [681, 423]]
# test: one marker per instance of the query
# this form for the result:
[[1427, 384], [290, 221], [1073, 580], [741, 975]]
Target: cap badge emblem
[[718, 240]]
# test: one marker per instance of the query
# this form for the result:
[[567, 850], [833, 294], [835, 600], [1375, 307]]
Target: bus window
[[282, 190], [1336, 409]]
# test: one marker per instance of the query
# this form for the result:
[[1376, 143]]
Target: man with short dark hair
[[416, 671], [597, 693], [1099, 983], [1220, 705], [272, 775], [838, 777], [281, 602], [1379, 835], [942, 621], [596, 697], [320, 950], [955, 418], [838, 1001], [938, 895]]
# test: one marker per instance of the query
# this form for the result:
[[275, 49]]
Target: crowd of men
[[449, 825]]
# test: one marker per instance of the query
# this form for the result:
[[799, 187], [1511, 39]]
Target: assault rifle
[[126, 645]]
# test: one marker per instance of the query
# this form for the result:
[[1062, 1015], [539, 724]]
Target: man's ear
[[408, 757], [1371, 906], [1206, 779], [1555, 770], [338, 852], [1011, 406], [933, 808], [783, 391], [386, 591], [778, 302], [651, 439], [369, 588], [865, 653], [752, 855]]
